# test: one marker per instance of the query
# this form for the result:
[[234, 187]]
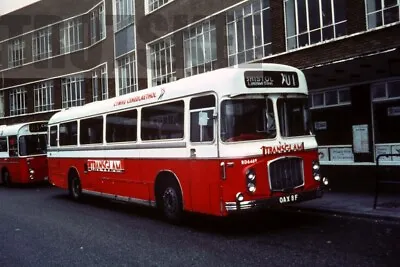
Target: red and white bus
[[23, 150], [216, 143]]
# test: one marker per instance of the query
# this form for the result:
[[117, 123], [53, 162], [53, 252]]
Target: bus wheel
[[75, 189], [6, 178], [171, 203]]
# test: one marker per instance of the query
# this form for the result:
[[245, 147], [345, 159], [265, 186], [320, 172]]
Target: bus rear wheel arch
[[168, 195], [74, 185]]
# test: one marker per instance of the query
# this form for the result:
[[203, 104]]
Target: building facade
[[89, 50]]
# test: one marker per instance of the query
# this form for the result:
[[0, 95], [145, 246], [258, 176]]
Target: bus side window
[[3, 144], [91, 131], [121, 126], [53, 135], [68, 133], [13, 146], [163, 121], [201, 118]]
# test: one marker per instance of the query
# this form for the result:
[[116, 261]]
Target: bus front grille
[[286, 173]]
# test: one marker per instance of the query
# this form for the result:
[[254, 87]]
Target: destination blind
[[282, 79]]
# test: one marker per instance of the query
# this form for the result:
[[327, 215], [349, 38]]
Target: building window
[[314, 21], [41, 44], [97, 24], [104, 82], [382, 12], [155, 4], [162, 57], [2, 111], [71, 35], [200, 48], [249, 32], [73, 91], [16, 54], [44, 96], [99, 84], [95, 85], [326, 108], [336, 97], [18, 101], [126, 68], [125, 13], [386, 115]]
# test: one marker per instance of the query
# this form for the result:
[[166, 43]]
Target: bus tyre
[[171, 203], [6, 178], [75, 189]]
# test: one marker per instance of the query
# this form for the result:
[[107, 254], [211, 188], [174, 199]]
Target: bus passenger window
[[201, 118], [13, 146], [68, 133], [121, 126], [3, 144], [91, 131], [53, 135], [163, 121], [202, 126]]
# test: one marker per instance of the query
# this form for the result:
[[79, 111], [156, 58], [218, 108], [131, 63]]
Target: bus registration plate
[[288, 198]]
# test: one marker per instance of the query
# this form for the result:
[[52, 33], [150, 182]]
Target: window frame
[[199, 109], [74, 26], [148, 3], [42, 46], [144, 109], [17, 97], [203, 30], [324, 92], [250, 9], [308, 31], [382, 15], [165, 49], [124, 14], [77, 90], [43, 96], [2, 107], [16, 52], [106, 135], [126, 74], [81, 128]]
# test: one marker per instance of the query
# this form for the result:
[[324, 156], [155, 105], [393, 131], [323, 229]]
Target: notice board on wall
[[360, 138]]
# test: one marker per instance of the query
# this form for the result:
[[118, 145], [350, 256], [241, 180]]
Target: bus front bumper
[[272, 201]]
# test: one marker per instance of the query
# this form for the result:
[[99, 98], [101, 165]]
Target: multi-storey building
[[58, 54]]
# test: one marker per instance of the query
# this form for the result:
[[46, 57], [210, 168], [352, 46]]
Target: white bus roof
[[15, 128], [224, 82]]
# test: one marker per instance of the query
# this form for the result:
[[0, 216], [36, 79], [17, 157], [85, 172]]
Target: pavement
[[355, 204]]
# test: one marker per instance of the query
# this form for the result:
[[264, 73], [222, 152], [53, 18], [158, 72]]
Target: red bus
[[23, 150], [224, 141]]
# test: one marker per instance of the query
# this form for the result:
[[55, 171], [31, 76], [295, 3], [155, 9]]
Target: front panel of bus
[[32, 149], [268, 152], [33, 160]]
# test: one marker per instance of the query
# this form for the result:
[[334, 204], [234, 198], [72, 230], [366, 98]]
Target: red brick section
[[355, 16], [278, 29]]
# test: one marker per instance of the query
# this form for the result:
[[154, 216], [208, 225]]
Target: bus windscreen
[[33, 145]]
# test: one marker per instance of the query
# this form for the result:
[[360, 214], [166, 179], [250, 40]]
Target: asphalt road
[[41, 226]]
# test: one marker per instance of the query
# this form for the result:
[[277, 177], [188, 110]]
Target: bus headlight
[[239, 197], [251, 180], [251, 187], [31, 171]]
